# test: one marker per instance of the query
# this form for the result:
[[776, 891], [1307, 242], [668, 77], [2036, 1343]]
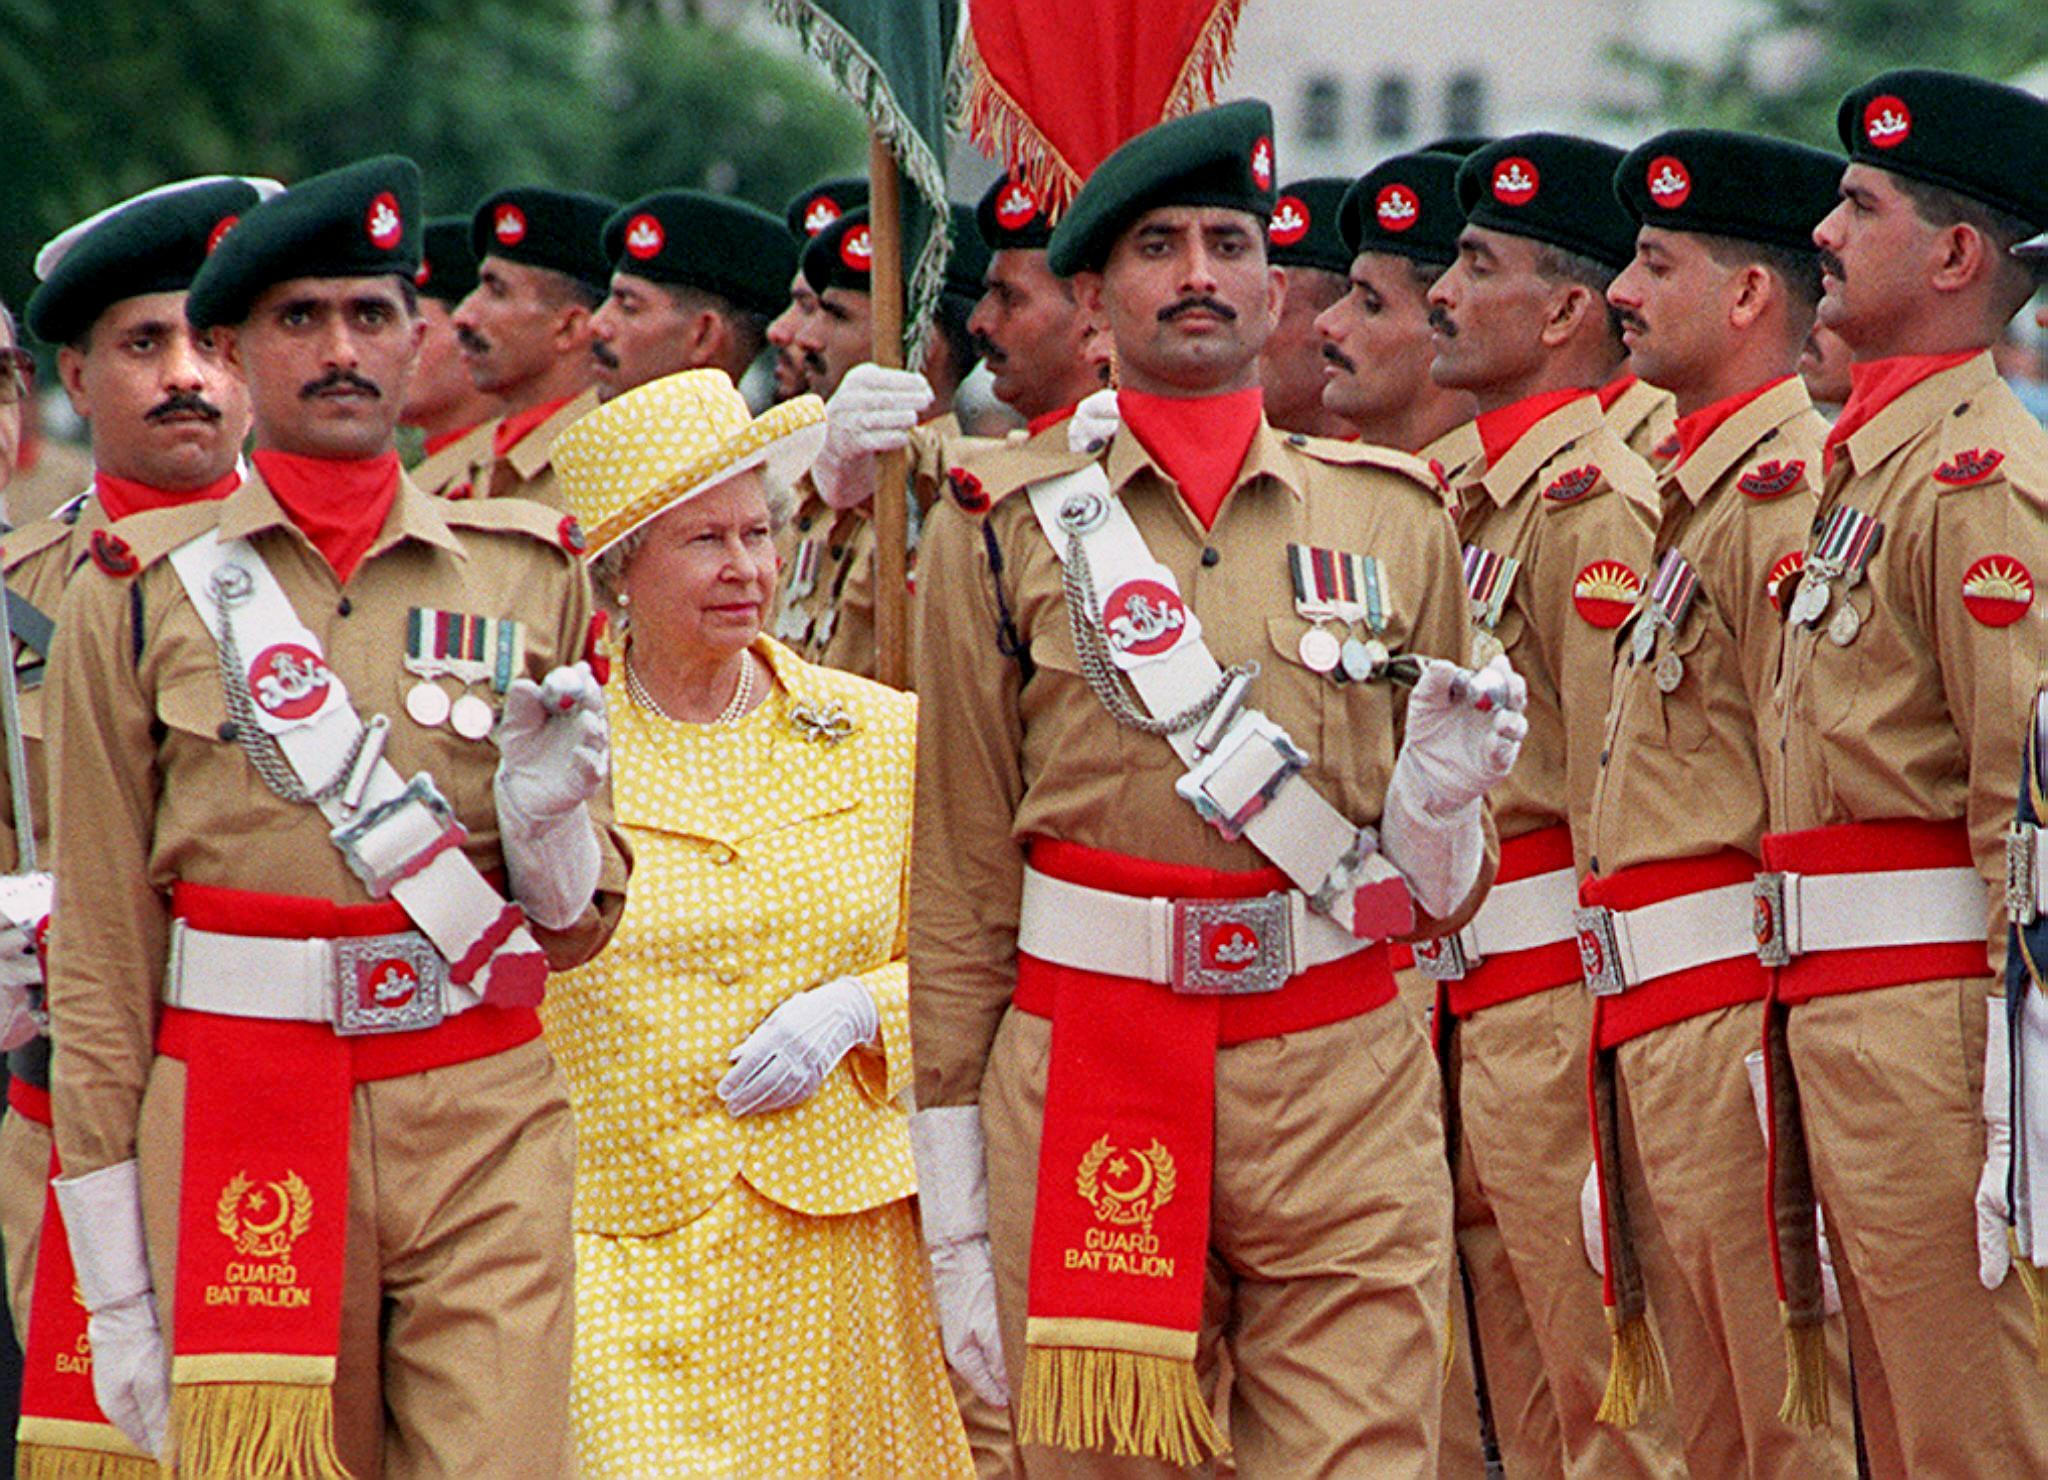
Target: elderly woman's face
[[700, 583]]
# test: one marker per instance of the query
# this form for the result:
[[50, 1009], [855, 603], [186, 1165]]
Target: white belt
[[1620, 949], [1207, 947], [358, 984], [1531, 912], [1797, 913]]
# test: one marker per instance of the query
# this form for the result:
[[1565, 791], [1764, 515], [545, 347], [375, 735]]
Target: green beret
[[1407, 205], [362, 220], [1461, 145], [150, 243], [1009, 218], [561, 230], [1219, 157], [1726, 184], [811, 211], [447, 261], [1304, 231], [1553, 188], [698, 240], [1977, 138], [967, 261], [842, 255]]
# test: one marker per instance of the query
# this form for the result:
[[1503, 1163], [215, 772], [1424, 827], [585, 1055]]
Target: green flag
[[894, 58]]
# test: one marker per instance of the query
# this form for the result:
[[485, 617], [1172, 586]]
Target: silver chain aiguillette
[[229, 588]]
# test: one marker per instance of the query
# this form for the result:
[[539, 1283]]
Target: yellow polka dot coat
[[767, 861]]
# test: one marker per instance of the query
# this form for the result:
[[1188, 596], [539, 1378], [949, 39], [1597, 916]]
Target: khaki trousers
[[1329, 1245], [1891, 1083], [1519, 1074], [1694, 1171], [24, 1186], [457, 1320]]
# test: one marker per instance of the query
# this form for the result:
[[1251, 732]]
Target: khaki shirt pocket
[[1686, 726], [1346, 727]]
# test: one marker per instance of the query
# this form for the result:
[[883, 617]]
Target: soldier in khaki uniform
[[1716, 307], [1643, 416], [457, 419], [527, 331], [808, 213], [1556, 520], [1179, 1170], [318, 1153], [1304, 239], [1911, 652], [1028, 327]]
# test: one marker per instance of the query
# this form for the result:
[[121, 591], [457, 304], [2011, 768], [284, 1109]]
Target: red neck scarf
[[514, 428], [1200, 441], [121, 497], [1614, 390], [1875, 384], [338, 503], [1038, 424], [1695, 427], [1501, 428], [432, 445]]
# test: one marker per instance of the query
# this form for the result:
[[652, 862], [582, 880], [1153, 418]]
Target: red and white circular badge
[[819, 214], [1144, 618], [508, 224], [289, 681], [1229, 947], [383, 222], [644, 237], [1669, 181], [1290, 221], [1605, 593], [1997, 590], [1515, 181], [1262, 163], [857, 250], [1015, 207], [1789, 565], [391, 983], [1887, 121], [1396, 207], [220, 229]]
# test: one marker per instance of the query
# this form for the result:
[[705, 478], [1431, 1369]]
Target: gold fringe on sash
[[255, 1431], [1637, 1382], [2035, 1282], [1450, 1342], [1806, 1375], [52, 1462], [1129, 1403]]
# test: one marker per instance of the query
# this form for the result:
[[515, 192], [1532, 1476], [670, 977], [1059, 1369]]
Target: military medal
[[1843, 629], [1670, 673], [1672, 591], [470, 649], [1812, 597], [1364, 657], [803, 570], [1847, 541], [1643, 641], [1319, 649], [427, 703], [1314, 577], [471, 717], [1488, 580]]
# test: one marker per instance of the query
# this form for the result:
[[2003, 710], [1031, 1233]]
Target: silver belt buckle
[[1231, 947], [2022, 877], [1443, 959], [1232, 783], [397, 838], [1599, 951], [388, 984], [1767, 919]]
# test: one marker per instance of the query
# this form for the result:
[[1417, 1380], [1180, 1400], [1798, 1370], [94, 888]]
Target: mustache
[[338, 379], [602, 353], [472, 342], [1631, 321], [1440, 323], [812, 362], [1832, 266], [986, 349], [1338, 358], [183, 403], [1196, 305]]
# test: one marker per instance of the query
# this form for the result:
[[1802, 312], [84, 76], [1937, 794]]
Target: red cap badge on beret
[[220, 229], [644, 237], [1515, 181], [819, 214], [1262, 163], [857, 250], [1015, 207], [1887, 121], [1396, 207], [1290, 221], [1670, 182], [383, 222], [508, 224]]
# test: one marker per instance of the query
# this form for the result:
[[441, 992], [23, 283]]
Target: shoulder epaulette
[[1005, 469], [518, 516], [2002, 443], [145, 539], [1366, 455], [18, 545]]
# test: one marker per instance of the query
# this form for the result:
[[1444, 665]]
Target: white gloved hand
[[131, 1374], [554, 749], [1464, 732], [1759, 1094], [873, 411], [1095, 420], [1994, 1246], [1592, 1233], [785, 1059], [24, 910], [952, 1198]]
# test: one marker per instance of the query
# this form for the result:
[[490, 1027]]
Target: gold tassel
[[54, 1462], [1637, 1382], [255, 1431], [1450, 1343], [1125, 1402], [1806, 1377], [2032, 1281]]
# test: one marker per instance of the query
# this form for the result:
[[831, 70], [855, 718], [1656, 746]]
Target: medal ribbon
[[1488, 580], [1673, 588]]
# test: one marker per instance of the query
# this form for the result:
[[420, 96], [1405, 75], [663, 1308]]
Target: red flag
[[1058, 84]]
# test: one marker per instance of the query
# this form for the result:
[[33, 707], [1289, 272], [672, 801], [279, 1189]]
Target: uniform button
[[1603, 757], [1962, 408], [838, 551], [1593, 864], [1210, 555], [229, 731], [803, 525], [1768, 436], [1296, 439], [344, 606]]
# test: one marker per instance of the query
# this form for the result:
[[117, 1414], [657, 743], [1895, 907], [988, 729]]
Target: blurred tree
[[101, 98], [1786, 73]]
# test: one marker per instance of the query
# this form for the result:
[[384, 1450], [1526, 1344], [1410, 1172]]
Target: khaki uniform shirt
[[62, 471], [141, 764], [451, 471], [1454, 453], [1016, 747], [1645, 417], [1682, 772], [1577, 509], [525, 471], [1920, 714]]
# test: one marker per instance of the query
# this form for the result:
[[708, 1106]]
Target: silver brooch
[[826, 726]]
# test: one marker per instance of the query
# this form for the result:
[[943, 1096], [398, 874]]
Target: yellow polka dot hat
[[639, 455]]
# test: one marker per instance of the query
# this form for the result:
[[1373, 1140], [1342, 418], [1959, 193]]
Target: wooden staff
[[892, 514]]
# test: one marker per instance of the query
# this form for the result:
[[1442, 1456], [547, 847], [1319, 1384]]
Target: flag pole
[[891, 512]]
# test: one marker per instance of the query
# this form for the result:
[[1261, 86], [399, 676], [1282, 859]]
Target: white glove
[[131, 1374], [785, 1059], [1759, 1094], [554, 751], [1095, 420], [1591, 1231], [1994, 1245], [24, 908], [1464, 732], [873, 411], [952, 1197]]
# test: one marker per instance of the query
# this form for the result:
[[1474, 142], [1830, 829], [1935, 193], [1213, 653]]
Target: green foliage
[[103, 98]]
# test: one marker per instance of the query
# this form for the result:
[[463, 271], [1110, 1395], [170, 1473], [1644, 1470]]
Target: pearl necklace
[[742, 695]]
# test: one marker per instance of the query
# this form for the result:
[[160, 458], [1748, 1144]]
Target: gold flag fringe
[[255, 1431], [1806, 1377], [1637, 1382], [1127, 1403], [1208, 59], [55, 1462]]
